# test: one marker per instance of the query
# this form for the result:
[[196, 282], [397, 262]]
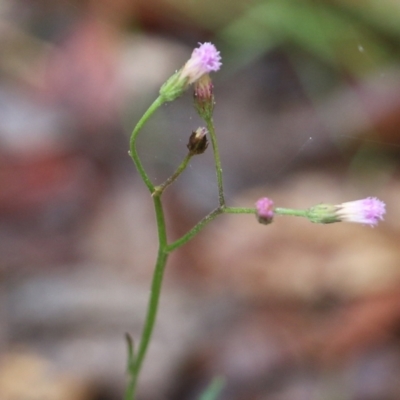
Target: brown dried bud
[[198, 142]]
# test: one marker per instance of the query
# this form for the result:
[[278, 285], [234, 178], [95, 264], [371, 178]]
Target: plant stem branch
[[208, 218], [132, 144], [158, 190], [154, 300], [217, 160]]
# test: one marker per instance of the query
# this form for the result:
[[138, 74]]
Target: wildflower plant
[[204, 60]]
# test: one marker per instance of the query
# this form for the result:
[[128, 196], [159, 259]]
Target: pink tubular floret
[[204, 59], [208, 56], [366, 211]]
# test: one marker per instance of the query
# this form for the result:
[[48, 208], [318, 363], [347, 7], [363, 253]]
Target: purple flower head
[[265, 210], [204, 59], [367, 211]]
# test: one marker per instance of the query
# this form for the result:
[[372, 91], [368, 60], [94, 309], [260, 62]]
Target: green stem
[[158, 190], [149, 324], [292, 212], [154, 300], [135, 361], [208, 218], [132, 144], [217, 160], [239, 210], [136, 358], [195, 230], [228, 210]]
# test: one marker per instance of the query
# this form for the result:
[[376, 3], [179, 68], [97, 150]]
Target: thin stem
[[217, 160], [158, 190], [154, 300], [195, 230], [132, 144], [136, 357], [292, 212], [208, 218], [239, 210], [149, 323]]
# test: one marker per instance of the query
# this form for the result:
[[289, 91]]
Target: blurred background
[[307, 111]]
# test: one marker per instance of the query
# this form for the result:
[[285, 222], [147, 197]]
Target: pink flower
[[204, 59], [367, 211], [265, 210]]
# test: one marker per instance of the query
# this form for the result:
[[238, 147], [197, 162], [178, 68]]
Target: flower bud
[[204, 97], [265, 210], [198, 142]]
